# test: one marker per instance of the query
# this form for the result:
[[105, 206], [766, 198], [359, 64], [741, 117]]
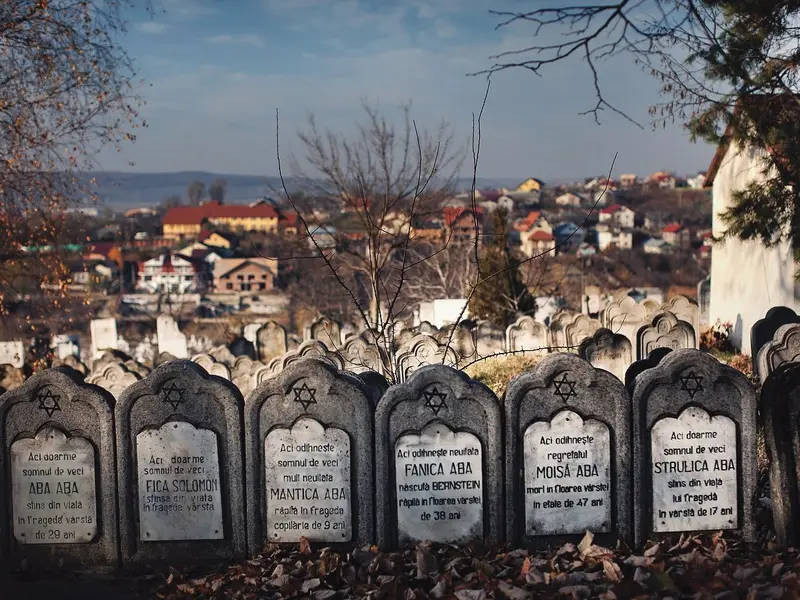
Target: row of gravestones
[[183, 469]]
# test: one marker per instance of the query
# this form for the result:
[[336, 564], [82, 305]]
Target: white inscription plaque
[[694, 472], [53, 489], [439, 479], [308, 483], [179, 485], [567, 476]]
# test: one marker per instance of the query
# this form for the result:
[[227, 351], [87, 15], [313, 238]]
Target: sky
[[216, 71]]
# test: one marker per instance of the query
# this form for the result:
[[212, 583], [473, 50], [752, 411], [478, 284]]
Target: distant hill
[[121, 190]]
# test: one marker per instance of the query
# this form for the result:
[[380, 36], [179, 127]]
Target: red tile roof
[[195, 215], [540, 236], [673, 228], [608, 210], [453, 213], [528, 221]]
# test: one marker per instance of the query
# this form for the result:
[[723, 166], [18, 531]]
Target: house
[[568, 235], [620, 215], [569, 199], [220, 239], [676, 235], [173, 273], [530, 185], [188, 221], [586, 249], [460, 223], [257, 274], [88, 273], [696, 182], [324, 236], [612, 236], [288, 224], [628, 180], [656, 246], [601, 183], [535, 233], [663, 180], [748, 277]]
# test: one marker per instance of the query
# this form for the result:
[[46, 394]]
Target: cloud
[[188, 9], [152, 27], [445, 30], [244, 39]]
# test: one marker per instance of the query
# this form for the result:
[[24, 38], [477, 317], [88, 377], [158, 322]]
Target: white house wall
[[747, 278]]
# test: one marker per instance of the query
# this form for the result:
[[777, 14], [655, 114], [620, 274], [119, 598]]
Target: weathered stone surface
[[223, 355], [114, 377], [271, 341], [205, 414], [640, 366], [12, 353], [11, 378], [73, 362], [665, 331], [692, 391], [104, 336], [685, 310], [211, 366], [359, 355], [56, 430], [170, 339], [780, 411], [332, 500], [558, 323], [324, 330], [625, 317], [763, 331], [783, 348], [442, 410], [608, 350], [423, 350], [308, 349], [580, 328], [527, 334], [490, 340], [568, 425]]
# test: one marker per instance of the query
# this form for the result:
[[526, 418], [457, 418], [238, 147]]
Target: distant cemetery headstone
[[11, 378], [326, 331], [309, 447], [577, 330], [359, 355], [704, 301], [57, 467], [694, 429], [104, 336], [250, 332], [685, 310], [271, 341], [489, 339], [242, 347], [180, 468], [438, 452], [527, 334], [764, 330], [113, 377], [783, 348], [170, 339], [780, 411], [608, 350], [66, 345], [423, 350], [665, 331], [12, 353], [625, 316], [568, 453], [211, 366], [640, 366]]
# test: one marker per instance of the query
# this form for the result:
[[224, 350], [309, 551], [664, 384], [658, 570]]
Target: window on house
[[262, 286], [229, 286], [246, 287], [240, 277]]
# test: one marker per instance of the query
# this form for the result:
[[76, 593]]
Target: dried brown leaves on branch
[[66, 90], [710, 566]]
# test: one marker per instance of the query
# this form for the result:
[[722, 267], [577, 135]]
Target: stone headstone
[[58, 473], [223, 354], [170, 339], [640, 366], [309, 446], [359, 355], [763, 331], [625, 317], [694, 435], [11, 378], [114, 378], [783, 348], [438, 452], [557, 325], [180, 465], [324, 330], [780, 411], [250, 332], [104, 336], [528, 335], [665, 331], [423, 350], [608, 350], [308, 349], [66, 345], [580, 328], [568, 453], [704, 301], [426, 328], [271, 341], [73, 362], [211, 366], [685, 310], [241, 347], [12, 353], [490, 340]]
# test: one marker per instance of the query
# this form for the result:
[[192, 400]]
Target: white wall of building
[[747, 278]]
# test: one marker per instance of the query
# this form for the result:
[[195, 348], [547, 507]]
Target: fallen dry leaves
[[698, 567]]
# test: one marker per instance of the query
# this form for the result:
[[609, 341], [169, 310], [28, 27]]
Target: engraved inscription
[[567, 476], [179, 485], [53, 489], [308, 483], [694, 464], [439, 484]]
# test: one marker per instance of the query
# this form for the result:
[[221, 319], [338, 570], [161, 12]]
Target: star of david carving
[[692, 384], [48, 402], [173, 395], [565, 389], [435, 400], [305, 395]]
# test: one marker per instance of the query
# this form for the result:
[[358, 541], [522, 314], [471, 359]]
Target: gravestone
[[490, 340], [704, 301], [104, 336], [640, 366], [222, 354], [568, 454], [12, 353], [783, 348], [66, 345], [308, 349], [685, 310], [694, 435], [557, 325], [625, 317], [528, 335], [580, 328], [170, 339], [250, 333], [211, 366], [665, 331], [324, 330], [242, 347], [114, 378], [11, 377], [359, 355], [58, 474], [181, 478], [608, 350], [763, 331], [309, 444], [780, 410], [423, 350], [271, 341], [438, 452]]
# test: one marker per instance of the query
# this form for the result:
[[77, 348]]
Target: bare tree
[[439, 272]]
